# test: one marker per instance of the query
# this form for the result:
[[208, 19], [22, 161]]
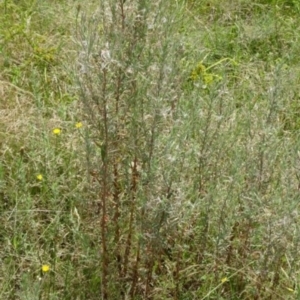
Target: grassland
[[149, 150]]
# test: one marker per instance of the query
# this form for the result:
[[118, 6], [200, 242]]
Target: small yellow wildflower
[[208, 78], [45, 268], [39, 177], [56, 131], [225, 279], [78, 125], [198, 72]]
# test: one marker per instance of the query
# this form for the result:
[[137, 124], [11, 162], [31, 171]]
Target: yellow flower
[[225, 279], [56, 131], [39, 177], [45, 268], [208, 78], [78, 125]]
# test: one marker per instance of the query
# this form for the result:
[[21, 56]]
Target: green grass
[[183, 180]]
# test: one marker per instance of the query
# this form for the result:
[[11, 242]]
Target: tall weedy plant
[[129, 94]]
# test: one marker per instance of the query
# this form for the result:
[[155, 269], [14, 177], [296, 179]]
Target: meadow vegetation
[[149, 149]]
